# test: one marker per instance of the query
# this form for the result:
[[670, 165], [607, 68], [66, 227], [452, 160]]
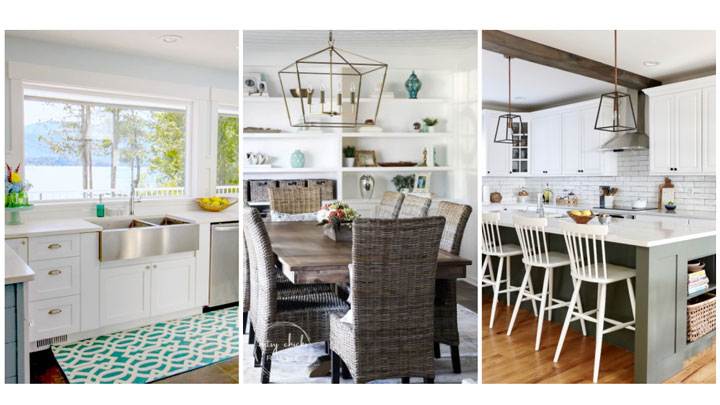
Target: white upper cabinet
[[497, 155], [708, 130], [571, 136], [681, 127], [545, 142]]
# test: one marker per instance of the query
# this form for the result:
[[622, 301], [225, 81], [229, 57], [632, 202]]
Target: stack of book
[[697, 282]]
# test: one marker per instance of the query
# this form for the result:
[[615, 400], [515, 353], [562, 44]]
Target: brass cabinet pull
[[54, 246], [55, 272], [54, 311]]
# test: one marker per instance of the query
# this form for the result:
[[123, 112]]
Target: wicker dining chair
[[246, 285], [299, 200], [392, 278], [446, 326], [389, 206], [414, 207], [281, 322]]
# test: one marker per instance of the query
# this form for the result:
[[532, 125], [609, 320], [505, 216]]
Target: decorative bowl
[[670, 207], [581, 219], [208, 206], [696, 266]]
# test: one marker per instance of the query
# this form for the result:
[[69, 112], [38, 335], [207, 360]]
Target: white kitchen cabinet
[[54, 317], [497, 155], [571, 142], [581, 143], [55, 278], [708, 130], [545, 142], [172, 286], [124, 293], [680, 114], [20, 246]]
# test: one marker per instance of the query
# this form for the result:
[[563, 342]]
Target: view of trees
[[227, 159]]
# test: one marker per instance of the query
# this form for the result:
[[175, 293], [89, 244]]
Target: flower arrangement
[[15, 188], [336, 214]]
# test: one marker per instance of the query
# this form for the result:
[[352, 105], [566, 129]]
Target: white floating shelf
[[395, 169], [394, 100], [404, 135], [250, 170], [289, 135]]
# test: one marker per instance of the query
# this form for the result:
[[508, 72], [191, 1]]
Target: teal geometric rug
[[152, 352]]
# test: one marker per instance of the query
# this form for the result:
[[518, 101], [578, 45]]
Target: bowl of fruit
[[581, 216], [216, 203]]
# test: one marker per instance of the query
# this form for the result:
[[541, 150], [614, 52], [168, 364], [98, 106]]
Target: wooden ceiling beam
[[531, 51]]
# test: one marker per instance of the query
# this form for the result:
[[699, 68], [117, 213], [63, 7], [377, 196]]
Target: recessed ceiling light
[[651, 63], [171, 38]]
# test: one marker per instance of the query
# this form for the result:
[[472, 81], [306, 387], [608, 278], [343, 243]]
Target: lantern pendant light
[[617, 103], [509, 123]]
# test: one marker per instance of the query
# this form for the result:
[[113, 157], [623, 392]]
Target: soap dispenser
[[100, 208]]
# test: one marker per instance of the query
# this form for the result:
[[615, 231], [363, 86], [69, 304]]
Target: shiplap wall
[[696, 193]]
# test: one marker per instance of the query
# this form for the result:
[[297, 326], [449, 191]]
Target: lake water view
[[58, 182]]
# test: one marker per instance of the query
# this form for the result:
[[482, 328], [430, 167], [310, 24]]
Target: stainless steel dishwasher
[[224, 263]]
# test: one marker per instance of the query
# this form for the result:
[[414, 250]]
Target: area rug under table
[[152, 352]]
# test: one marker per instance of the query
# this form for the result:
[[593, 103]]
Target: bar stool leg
[[600, 327], [580, 310], [550, 295], [543, 299], [532, 292], [568, 317], [519, 299], [507, 283], [496, 292]]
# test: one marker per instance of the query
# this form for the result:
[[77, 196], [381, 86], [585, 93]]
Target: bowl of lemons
[[581, 216], [215, 203]]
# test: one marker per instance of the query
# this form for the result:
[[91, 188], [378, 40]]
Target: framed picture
[[422, 183], [365, 158]]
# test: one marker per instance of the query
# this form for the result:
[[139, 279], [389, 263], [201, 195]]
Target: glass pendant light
[[509, 123], [617, 103]]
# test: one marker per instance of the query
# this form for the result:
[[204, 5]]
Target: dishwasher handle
[[226, 228]]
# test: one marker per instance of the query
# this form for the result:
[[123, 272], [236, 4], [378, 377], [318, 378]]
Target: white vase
[[609, 201], [431, 129], [348, 162]]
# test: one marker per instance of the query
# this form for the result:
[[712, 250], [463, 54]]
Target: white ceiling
[[315, 39], [680, 53], [213, 49]]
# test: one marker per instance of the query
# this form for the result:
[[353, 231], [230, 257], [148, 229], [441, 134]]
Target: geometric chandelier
[[333, 88], [617, 102]]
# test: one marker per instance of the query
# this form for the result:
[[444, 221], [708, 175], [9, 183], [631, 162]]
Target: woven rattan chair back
[[300, 200], [263, 301], [586, 248], [490, 242], [389, 206], [531, 234], [414, 207], [392, 279], [246, 277], [456, 219]]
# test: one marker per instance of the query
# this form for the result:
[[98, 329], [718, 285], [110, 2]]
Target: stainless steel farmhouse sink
[[134, 237]]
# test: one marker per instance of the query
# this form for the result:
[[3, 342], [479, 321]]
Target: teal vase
[[297, 159], [413, 85]]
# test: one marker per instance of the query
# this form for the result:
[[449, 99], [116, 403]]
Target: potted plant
[[404, 184], [429, 124], [349, 156], [337, 218], [15, 188]]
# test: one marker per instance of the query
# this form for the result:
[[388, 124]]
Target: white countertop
[[230, 214], [632, 232], [16, 270], [678, 213]]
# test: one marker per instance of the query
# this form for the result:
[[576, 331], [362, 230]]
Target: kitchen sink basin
[[136, 237]]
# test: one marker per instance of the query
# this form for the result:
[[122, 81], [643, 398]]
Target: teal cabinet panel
[[9, 295], [10, 325], [10, 359]]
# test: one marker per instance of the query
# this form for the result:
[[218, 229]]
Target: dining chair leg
[[429, 380], [266, 365], [599, 328], [496, 292], [257, 355], [251, 335], [631, 293], [335, 367], [532, 292], [344, 370], [405, 380], [518, 300], [568, 317], [550, 295], [507, 282], [327, 347], [541, 316], [245, 321], [436, 350], [581, 311], [455, 355]]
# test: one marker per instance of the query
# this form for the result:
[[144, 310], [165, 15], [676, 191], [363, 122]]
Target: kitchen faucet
[[133, 186]]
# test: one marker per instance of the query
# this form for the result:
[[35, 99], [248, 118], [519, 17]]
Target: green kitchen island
[[659, 251]]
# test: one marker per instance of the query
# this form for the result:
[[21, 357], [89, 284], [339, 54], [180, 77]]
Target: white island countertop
[[16, 270], [678, 213], [631, 232]]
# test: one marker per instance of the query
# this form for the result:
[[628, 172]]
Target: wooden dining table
[[307, 256]]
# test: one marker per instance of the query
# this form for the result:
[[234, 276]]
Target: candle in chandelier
[[322, 98], [309, 99], [352, 94]]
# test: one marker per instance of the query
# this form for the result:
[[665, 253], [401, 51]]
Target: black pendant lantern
[[617, 102], [508, 124]]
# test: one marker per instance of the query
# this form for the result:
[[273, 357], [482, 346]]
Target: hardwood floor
[[513, 359]]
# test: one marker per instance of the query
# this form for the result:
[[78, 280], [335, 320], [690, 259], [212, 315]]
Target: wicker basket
[[701, 318], [259, 190], [246, 191], [327, 188], [291, 183]]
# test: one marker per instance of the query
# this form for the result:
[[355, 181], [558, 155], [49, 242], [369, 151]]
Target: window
[[228, 175], [79, 149]]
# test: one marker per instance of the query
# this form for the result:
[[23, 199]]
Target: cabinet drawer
[[55, 278], [54, 317], [54, 247]]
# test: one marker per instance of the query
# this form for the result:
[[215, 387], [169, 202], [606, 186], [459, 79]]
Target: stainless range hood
[[637, 140]]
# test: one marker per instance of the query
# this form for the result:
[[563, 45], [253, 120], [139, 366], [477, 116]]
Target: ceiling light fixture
[[651, 63], [341, 77], [171, 38], [508, 123], [618, 102]]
